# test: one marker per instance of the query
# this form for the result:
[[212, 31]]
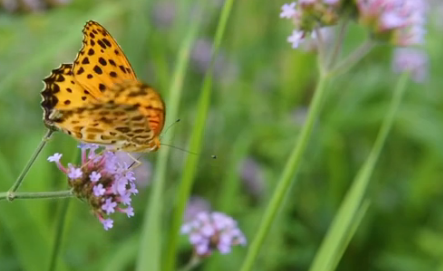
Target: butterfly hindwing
[[106, 124], [149, 103]]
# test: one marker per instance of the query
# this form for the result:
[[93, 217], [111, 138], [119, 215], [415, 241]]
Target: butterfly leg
[[136, 162]]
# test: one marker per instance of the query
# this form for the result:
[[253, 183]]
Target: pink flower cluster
[[401, 22], [102, 181], [213, 231]]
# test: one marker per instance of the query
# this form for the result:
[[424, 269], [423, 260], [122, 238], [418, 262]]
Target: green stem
[[287, 177], [327, 257], [151, 241], [338, 44], [10, 196], [193, 263], [195, 144], [31, 161], [386, 126], [321, 51], [58, 235], [352, 59]]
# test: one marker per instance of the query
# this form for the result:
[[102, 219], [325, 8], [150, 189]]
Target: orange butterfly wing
[[99, 100], [101, 62]]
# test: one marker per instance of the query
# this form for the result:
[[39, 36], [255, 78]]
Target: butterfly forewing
[[101, 63]]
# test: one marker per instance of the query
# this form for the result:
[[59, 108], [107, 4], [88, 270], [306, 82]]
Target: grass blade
[[327, 257], [196, 143], [287, 177], [151, 237]]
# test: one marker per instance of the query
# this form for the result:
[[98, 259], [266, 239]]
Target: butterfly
[[98, 99]]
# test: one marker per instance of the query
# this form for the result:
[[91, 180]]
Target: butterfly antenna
[[170, 126], [213, 156]]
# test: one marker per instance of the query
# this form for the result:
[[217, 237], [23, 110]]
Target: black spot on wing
[[102, 61], [106, 41], [98, 70]]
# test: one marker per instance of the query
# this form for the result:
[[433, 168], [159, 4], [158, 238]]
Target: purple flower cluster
[[105, 183], [308, 14], [401, 22], [213, 231]]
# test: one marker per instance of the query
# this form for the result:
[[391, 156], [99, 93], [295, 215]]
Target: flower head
[[142, 174], [213, 231], [309, 14], [400, 22], [102, 181], [95, 176], [296, 38], [288, 10], [55, 158]]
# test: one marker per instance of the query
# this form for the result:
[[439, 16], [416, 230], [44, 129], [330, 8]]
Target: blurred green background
[[261, 91]]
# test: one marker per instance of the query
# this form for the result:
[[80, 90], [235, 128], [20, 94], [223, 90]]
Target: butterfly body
[[98, 98]]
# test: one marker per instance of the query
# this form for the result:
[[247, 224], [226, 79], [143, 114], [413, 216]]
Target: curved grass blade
[[330, 253]]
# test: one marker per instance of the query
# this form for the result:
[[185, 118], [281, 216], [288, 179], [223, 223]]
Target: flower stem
[[10, 196], [321, 51], [288, 175], [338, 44], [31, 161], [352, 59], [58, 235], [333, 245], [193, 263]]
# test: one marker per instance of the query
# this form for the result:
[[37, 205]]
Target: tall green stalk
[[288, 175], [337, 237], [293, 163], [151, 234], [195, 145]]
